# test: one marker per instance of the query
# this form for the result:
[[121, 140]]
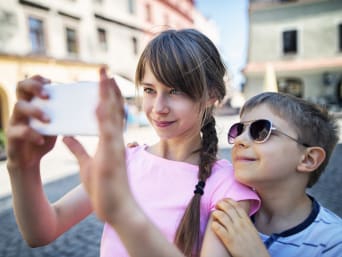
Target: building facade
[[68, 40], [302, 41]]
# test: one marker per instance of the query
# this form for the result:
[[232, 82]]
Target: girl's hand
[[104, 175], [25, 146], [236, 231], [132, 145]]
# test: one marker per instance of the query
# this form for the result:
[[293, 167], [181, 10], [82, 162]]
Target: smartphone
[[71, 109]]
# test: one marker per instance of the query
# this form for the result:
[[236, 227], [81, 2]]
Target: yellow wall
[[16, 68]]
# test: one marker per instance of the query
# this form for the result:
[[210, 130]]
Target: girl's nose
[[160, 104]]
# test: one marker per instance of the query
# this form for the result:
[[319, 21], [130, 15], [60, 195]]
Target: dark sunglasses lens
[[234, 131], [260, 130]]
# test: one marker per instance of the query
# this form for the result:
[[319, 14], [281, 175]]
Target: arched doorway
[[3, 121]]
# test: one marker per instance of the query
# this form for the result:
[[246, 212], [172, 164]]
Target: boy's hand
[[25, 146], [104, 175], [236, 231]]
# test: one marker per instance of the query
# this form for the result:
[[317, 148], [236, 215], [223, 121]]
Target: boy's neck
[[279, 214]]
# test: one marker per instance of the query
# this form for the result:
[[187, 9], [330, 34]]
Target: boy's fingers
[[237, 208], [230, 208], [222, 218], [222, 233], [77, 149]]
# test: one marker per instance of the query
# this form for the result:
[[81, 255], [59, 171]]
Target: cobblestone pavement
[[84, 239]]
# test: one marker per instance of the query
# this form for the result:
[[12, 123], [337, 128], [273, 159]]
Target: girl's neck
[[185, 151]]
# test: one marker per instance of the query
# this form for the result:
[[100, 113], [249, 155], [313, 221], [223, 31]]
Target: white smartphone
[[71, 109]]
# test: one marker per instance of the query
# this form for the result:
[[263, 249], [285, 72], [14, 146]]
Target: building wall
[[318, 53], [127, 30]]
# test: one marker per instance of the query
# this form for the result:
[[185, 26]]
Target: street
[[84, 239]]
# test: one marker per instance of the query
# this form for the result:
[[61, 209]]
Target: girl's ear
[[211, 101], [311, 159]]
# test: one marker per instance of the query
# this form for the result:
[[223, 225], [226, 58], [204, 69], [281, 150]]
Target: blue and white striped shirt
[[319, 235]]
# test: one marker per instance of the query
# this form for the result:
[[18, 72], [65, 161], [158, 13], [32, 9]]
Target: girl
[[176, 182]]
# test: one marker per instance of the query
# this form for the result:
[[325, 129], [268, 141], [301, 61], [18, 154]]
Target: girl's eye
[[175, 92], [148, 90]]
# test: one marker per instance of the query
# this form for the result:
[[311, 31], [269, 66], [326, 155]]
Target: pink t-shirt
[[163, 188]]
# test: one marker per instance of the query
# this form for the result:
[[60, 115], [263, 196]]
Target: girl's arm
[[105, 180], [212, 245], [235, 229], [38, 221]]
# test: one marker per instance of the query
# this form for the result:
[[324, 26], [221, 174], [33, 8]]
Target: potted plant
[[2, 145]]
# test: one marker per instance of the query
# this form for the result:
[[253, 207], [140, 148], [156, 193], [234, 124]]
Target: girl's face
[[268, 163], [171, 113]]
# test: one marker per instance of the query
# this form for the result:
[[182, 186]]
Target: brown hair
[[313, 123], [188, 61]]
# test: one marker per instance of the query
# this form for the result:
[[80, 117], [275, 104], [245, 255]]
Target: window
[[135, 45], [71, 41], [340, 37], [293, 86], [36, 35], [290, 42], [131, 6], [102, 38], [339, 92]]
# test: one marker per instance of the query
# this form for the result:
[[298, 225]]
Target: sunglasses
[[259, 130]]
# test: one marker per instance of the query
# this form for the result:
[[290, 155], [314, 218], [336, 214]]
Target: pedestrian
[[175, 183], [281, 147]]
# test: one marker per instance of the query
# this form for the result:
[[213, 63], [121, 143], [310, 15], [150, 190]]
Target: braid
[[188, 233], [209, 148]]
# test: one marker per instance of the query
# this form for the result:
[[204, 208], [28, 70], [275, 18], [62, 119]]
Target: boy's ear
[[311, 159]]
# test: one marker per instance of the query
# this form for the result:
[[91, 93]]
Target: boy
[[281, 147]]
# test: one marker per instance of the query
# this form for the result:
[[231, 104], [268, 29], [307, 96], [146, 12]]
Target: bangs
[[173, 63]]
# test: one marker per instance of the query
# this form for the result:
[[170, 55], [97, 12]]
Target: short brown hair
[[313, 123]]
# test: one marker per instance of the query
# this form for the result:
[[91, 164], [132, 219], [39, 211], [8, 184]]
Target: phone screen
[[71, 108]]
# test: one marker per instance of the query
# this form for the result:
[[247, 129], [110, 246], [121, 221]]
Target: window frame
[[339, 36], [41, 50], [76, 40], [103, 44], [290, 48]]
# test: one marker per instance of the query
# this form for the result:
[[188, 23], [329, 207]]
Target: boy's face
[[269, 163]]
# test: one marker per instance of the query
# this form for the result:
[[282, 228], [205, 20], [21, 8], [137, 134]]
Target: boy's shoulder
[[319, 235], [329, 217], [328, 227]]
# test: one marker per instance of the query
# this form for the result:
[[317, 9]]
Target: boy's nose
[[243, 139]]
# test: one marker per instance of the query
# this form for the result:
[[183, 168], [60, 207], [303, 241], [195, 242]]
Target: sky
[[231, 18]]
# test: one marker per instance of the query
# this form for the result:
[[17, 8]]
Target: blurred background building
[[68, 40], [295, 46]]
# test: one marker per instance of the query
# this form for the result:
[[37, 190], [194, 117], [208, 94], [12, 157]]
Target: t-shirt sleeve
[[227, 187]]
